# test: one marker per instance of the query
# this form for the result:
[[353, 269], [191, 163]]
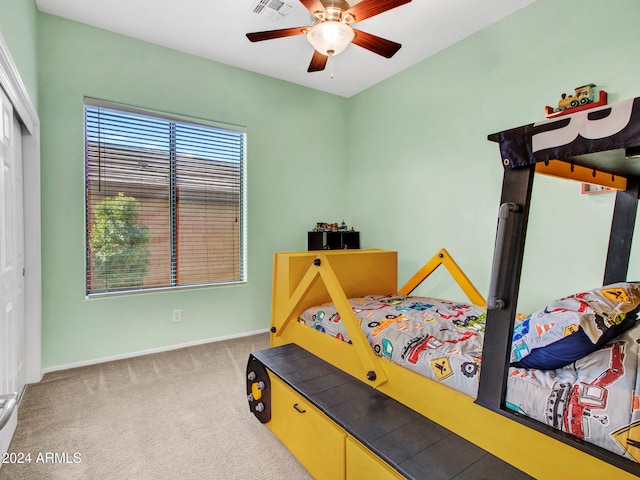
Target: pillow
[[572, 327]]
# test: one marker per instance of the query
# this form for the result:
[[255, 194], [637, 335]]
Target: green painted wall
[[18, 28], [413, 166], [422, 174], [291, 184]]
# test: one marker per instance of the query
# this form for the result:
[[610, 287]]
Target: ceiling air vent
[[274, 10]]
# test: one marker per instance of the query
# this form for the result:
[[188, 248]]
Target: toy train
[[582, 99]]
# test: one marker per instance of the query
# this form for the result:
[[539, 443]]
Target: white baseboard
[[150, 351]]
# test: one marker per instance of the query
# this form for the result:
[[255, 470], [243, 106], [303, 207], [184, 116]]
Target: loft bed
[[597, 146]]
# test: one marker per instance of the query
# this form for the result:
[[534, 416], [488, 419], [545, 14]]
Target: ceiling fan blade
[[376, 44], [369, 8], [271, 34], [318, 62], [313, 5]]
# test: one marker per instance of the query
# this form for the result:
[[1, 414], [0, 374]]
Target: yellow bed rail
[[443, 258]]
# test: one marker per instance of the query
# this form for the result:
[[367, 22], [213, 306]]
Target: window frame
[[242, 237]]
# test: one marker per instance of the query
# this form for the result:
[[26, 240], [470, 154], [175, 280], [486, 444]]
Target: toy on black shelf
[[332, 227], [582, 99]]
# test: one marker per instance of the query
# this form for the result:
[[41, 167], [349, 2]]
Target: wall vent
[[274, 10]]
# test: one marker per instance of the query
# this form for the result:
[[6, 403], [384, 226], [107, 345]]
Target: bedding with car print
[[574, 362]]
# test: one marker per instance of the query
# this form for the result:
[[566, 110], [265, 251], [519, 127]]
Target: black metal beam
[[622, 226], [516, 188]]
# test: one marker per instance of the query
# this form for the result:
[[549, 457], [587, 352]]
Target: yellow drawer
[[363, 464], [313, 438]]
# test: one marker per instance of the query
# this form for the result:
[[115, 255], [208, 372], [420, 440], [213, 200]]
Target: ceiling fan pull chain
[[331, 65]]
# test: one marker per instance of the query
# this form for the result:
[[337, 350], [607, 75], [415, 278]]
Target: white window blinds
[[164, 201]]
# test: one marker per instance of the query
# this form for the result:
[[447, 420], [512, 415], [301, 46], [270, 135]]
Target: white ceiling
[[215, 29]]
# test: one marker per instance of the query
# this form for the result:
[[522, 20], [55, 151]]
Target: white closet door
[[12, 293]]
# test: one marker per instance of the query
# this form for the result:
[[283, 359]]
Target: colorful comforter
[[593, 398]]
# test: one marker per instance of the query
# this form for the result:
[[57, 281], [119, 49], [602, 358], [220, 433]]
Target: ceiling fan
[[332, 31]]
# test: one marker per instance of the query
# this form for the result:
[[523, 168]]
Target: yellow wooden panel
[[363, 464], [314, 440], [305, 279], [558, 168], [361, 272]]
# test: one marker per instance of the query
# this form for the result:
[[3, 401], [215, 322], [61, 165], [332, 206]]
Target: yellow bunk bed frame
[[599, 146], [305, 279]]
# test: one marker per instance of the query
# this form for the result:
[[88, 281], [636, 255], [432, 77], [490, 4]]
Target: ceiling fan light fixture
[[330, 37]]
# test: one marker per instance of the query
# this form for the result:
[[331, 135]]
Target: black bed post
[[622, 225], [516, 189]]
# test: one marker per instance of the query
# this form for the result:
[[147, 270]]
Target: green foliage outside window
[[119, 252]]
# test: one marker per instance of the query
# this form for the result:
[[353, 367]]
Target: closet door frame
[[13, 86]]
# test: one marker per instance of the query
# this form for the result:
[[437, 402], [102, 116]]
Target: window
[[164, 201]]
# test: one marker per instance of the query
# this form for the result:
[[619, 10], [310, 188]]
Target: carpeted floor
[[181, 415]]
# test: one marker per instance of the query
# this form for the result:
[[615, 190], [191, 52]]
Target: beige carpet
[[174, 415]]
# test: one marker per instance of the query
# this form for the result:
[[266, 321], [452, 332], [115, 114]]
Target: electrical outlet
[[177, 316]]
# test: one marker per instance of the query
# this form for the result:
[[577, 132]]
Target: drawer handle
[[298, 409]]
